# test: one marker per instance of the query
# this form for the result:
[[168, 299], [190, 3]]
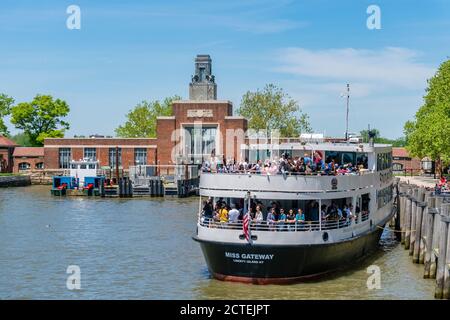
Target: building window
[[65, 155], [112, 157], [90, 153], [39, 165], [140, 156], [24, 166], [397, 167], [200, 141]]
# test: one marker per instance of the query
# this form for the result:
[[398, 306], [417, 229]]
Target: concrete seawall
[[14, 181]]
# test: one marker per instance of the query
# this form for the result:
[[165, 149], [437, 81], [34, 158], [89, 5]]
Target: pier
[[423, 219], [141, 181]]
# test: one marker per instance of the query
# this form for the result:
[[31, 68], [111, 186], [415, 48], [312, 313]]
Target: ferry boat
[[289, 252]]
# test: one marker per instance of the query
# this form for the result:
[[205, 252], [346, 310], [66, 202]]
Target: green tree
[[41, 118], [272, 109], [399, 142], [428, 134], [141, 120], [5, 109], [22, 139]]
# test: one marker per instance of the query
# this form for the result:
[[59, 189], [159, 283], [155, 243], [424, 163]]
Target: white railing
[[277, 226]]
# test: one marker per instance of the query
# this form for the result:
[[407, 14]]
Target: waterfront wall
[[14, 181], [424, 219]]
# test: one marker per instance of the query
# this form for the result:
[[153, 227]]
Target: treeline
[[38, 119], [428, 134], [267, 109]]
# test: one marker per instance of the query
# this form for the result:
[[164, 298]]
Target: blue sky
[[128, 51]]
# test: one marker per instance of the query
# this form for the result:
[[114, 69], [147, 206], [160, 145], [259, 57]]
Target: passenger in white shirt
[[233, 215]]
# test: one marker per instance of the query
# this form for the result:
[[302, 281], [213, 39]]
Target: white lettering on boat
[[248, 257]]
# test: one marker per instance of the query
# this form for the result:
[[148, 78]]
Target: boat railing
[[317, 173], [280, 226]]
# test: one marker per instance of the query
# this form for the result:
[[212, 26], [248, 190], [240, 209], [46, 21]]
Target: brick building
[[401, 161], [198, 128], [6, 154], [28, 158]]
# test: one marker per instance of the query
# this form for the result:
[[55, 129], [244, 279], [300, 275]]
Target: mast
[[346, 118]]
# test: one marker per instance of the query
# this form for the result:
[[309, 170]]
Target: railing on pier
[[170, 172]]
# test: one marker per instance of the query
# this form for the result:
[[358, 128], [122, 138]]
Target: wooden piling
[[442, 268], [402, 203], [446, 288], [421, 204], [408, 211], [435, 242], [416, 195], [428, 235]]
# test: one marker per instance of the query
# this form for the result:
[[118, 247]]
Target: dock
[[422, 220]]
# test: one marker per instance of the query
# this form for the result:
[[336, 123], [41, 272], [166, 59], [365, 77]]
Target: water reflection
[[142, 249]]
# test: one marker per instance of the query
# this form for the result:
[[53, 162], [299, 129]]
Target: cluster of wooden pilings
[[424, 226]]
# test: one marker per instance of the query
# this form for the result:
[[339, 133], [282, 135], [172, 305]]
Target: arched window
[[24, 166], [40, 165], [397, 166]]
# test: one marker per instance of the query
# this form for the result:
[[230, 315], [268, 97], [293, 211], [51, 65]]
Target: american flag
[[246, 226]]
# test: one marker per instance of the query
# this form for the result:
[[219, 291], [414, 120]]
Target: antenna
[[346, 118]]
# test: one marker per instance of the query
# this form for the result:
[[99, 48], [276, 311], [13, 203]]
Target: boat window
[[362, 160], [92, 166], [384, 196], [384, 161], [73, 166], [83, 166]]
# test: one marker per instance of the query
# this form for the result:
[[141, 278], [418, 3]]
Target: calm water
[[142, 249]]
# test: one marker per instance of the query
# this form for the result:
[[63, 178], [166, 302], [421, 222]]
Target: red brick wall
[[232, 143], [31, 160], [164, 129], [51, 158], [77, 153], [164, 144], [102, 145], [5, 156], [99, 141], [413, 164]]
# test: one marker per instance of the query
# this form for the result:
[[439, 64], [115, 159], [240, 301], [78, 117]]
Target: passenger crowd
[[286, 165], [221, 212], [443, 186]]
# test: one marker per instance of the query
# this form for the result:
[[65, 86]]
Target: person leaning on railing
[[299, 218], [207, 211], [282, 220], [271, 218], [233, 214], [222, 214]]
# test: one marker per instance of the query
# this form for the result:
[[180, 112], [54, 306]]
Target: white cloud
[[388, 66]]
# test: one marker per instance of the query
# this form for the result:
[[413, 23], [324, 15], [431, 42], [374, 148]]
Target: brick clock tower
[[198, 126], [202, 86]]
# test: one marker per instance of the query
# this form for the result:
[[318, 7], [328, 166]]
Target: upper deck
[[354, 167], [290, 186]]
